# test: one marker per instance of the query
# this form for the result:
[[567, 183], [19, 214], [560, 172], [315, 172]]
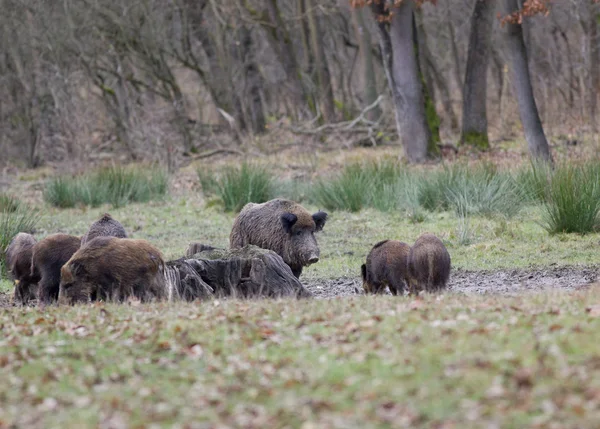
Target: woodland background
[[162, 80]]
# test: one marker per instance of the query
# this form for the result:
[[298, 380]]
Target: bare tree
[[366, 58], [402, 72], [474, 119], [532, 125]]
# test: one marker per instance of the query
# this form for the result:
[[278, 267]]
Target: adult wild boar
[[113, 269], [106, 226], [428, 264], [18, 263], [282, 226], [49, 255], [386, 266]]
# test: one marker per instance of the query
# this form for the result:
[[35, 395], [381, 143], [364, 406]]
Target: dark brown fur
[[428, 264], [49, 255], [18, 262], [106, 226], [113, 269], [386, 266], [282, 226]]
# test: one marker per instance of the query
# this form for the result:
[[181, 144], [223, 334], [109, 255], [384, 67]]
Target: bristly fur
[[282, 226], [429, 264], [18, 263], [113, 269], [105, 226], [49, 255], [386, 266]]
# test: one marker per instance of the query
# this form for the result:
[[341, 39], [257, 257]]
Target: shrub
[[237, 187], [15, 217], [116, 185], [573, 199]]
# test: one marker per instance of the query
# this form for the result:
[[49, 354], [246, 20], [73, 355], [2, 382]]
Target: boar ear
[[71, 270], [66, 276], [363, 271], [287, 221], [320, 218]]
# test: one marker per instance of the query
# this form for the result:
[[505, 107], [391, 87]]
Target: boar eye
[[299, 232]]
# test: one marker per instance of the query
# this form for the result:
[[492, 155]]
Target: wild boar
[[428, 264], [106, 226], [386, 266], [113, 269], [49, 255], [18, 263], [282, 226]]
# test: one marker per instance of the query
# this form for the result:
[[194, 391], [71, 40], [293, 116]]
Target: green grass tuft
[[115, 185], [484, 191], [573, 200], [534, 182], [237, 187], [349, 191]]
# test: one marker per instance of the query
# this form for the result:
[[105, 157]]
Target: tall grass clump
[[483, 190], [349, 191], [116, 185], [15, 217], [359, 185], [573, 199], [534, 181], [238, 186]]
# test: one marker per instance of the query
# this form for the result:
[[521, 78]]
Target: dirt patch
[[506, 282]]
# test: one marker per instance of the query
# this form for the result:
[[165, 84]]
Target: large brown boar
[[49, 255], [113, 269], [106, 226], [386, 266], [282, 226], [428, 264], [18, 263]]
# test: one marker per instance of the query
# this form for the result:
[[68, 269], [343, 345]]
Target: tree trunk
[[402, 71], [454, 49], [281, 42], [474, 120], [593, 65], [433, 74], [431, 117], [366, 58], [532, 125], [249, 272], [324, 88]]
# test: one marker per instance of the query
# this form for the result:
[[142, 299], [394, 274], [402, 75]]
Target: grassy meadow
[[442, 361]]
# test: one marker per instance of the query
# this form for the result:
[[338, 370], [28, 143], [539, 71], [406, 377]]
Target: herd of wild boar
[[104, 264]]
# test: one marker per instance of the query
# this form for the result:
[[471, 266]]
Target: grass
[[116, 185], [350, 191], [387, 187], [436, 361], [239, 186], [374, 362], [495, 242], [573, 199], [15, 217]]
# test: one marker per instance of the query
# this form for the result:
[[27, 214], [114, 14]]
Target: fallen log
[[249, 272]]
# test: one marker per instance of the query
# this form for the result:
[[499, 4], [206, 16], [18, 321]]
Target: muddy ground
[[506, 282]]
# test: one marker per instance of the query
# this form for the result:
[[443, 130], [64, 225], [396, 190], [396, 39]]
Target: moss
[[433, 123], [476, 139]]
